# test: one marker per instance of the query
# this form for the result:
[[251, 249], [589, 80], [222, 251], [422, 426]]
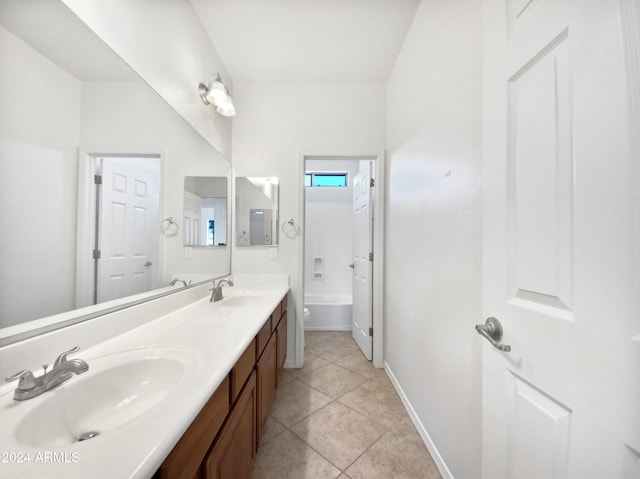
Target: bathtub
[[330, 312]]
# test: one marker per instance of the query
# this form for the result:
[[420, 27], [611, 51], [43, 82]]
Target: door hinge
[[370, 256], [370, 331], [372, 182], [97, 179], [96, 254]]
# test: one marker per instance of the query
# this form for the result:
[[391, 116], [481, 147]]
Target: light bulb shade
[[226, 109], [216, 93]]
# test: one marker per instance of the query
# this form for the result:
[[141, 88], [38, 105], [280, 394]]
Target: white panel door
[[191, 219], [558, 240], [127, 219], [363, 263]]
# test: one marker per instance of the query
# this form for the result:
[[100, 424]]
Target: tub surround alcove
[[329, 312], [217, 338]]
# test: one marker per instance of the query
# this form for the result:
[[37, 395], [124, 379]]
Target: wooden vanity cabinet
[[222, 441], [234, 453]]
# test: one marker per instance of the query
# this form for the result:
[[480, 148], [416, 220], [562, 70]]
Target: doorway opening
[[341, 281]]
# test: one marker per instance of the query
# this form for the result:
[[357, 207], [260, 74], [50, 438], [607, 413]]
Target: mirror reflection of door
[[213, 214], [126, 245], [260, 227], [191, 219]]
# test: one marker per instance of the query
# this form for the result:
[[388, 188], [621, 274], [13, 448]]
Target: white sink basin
[[116, 390], [242, 300]]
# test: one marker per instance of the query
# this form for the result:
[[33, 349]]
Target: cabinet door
[[266, 369], [185, 459], [234, 453], [281, 333]]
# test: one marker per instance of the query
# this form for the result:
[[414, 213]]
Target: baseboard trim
[[428, 442], [339, 327]]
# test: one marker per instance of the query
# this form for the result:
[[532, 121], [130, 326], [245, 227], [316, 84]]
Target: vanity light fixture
[[216, 93]]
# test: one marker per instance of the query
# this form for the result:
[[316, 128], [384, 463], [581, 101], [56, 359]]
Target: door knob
[[492, 331], [352, 265], [148, 263]]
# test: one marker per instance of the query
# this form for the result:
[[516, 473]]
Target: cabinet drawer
[[242, 370], [263, 337], [187, 456]]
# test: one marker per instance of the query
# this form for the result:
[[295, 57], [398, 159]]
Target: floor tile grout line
[[336, 365], [309, 445], [366, 450], [387, 428], [366, 379]]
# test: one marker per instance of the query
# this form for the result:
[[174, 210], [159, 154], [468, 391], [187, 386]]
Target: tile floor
[[339, 417]]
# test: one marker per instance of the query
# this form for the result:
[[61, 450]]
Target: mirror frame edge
[[18, 337]]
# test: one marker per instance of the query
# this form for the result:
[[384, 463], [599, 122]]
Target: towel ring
[[290, 228], [169, 227]]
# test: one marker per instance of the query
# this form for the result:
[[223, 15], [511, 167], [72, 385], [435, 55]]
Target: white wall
[[278, 123], [129, 117], [433, 230], [329, 231], [167, 46], [38, 134]]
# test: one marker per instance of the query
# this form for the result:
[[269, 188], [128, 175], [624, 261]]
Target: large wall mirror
[[92, 163], [256, 211]]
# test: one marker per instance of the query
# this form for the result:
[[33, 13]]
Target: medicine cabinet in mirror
[[256, 211], [71, 163], [205, 211]]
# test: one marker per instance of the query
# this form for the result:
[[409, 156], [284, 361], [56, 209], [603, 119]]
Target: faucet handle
[[63, 357], [27, 380]]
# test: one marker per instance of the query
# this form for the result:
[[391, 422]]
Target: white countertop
[[213, 335]]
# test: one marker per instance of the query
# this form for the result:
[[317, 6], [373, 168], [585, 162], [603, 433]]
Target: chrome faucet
[[178, 280], [30, 386], [216, 294]]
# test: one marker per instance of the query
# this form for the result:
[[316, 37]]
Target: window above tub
[[323, 179]]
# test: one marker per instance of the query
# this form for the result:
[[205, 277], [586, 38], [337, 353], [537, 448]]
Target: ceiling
[[307, 40]]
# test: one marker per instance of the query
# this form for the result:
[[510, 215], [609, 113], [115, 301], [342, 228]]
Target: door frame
[[379, 161], [86, 220]]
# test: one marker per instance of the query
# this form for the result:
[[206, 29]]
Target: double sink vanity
[[180, 395]]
